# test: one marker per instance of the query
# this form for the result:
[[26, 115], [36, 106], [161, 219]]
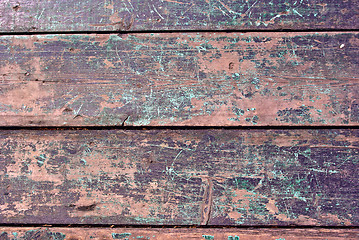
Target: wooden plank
[[96, 15], [206, 79], [27, 233], [207, 177]]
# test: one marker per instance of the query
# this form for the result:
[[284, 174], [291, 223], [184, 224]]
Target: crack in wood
[[123, 122], [207, 202]]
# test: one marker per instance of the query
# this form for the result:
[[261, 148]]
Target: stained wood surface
[[43, 233], [187, 79], [207, 177], [124, 15]]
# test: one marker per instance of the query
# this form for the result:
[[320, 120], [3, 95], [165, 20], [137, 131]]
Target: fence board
[[149, 15], [207, 177], [184, 79]]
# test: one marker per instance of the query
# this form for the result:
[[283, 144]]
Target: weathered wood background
[[72, 74]]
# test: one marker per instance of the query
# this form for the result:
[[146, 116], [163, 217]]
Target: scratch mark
[[175, 2], [223, 12], [229, 9], [128, 10], [41, 14], [77, 112], [296, 12], [170, 170], [277, 16], [153, 145], [179, 153], [251, 7], [157, 12], [118, 55], [177, 193], [188, 8]]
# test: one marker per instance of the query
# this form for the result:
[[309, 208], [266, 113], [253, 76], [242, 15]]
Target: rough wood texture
[[215, 177], [127, 15], [208, 79], [15, 233]]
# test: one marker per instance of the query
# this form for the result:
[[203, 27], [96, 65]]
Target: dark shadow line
[[177, 226], [6, 128], [181, 31]]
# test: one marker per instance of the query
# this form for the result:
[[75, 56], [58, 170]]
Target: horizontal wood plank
[[45, 233], [185, 79], [207, 177], [96, 15]]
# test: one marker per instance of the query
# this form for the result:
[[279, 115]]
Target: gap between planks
[[183, 31], [144, 128], [178, 233]]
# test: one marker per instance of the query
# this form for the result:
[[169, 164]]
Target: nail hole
[[16, 7], [231, 65], [87, 208], [67, 110]]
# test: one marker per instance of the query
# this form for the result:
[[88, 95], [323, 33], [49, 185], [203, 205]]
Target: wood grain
[[124, 15], [208, 177], [45, 233], [184, 79]]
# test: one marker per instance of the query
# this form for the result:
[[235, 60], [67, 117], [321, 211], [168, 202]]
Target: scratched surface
[[185, 79], [43, 233], [155, 177], [136, 15]]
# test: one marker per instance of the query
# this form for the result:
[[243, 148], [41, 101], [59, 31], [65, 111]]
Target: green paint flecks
[[208, 237], [120, 235], [41, 160], [233, 237]]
